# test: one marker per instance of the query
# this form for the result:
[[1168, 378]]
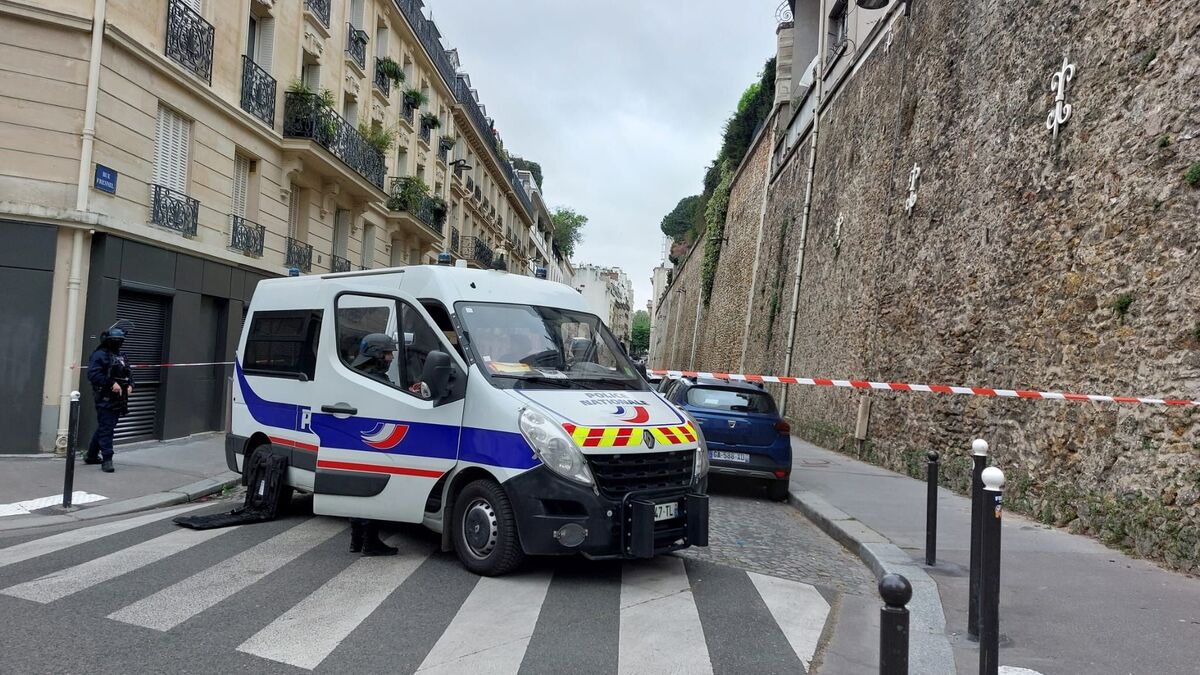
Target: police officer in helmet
[[112, 382], [376, 352]]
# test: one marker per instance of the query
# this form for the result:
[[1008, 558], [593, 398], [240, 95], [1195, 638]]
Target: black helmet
[[114, 337], [373, 346]]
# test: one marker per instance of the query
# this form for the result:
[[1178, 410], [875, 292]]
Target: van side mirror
[[436, 375]]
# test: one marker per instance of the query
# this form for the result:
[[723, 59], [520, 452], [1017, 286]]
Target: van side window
[[419, 340], [440, 317], [357, 317], [283, 343]]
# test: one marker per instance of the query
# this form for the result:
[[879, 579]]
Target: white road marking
[[175, 604], [73, 579], [65, 540], [310, 631], [798, 609], [492, 629], [27, 506], [660, 625]]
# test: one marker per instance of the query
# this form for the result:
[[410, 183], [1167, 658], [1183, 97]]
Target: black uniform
[[106, 367]]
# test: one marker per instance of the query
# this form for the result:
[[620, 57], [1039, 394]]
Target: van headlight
[[554, 447], [700, 470]]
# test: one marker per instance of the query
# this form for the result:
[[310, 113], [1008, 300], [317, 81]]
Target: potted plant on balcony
[[439, 208], [414, 98], [447, 142], [407, 193], [430, 121], [391, 70], [377, 137]]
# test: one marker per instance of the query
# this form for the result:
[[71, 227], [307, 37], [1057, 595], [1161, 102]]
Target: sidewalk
[[148, 475], [1068, 604]]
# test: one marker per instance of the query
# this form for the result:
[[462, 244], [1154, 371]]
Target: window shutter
[[196, 5], [241, 179], [171, 150], [341, 232], [294, 211], [368, 246], [266, 43]]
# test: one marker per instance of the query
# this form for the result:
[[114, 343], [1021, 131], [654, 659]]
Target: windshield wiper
[[620, 382], [560, 382]]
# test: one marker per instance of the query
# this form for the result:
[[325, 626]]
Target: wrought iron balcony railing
[[426, 133], [299, 254], [382, 83], [174, 210], [246, 236], [428, 36], [426, 209], [189, 39], [319, 9], [306, 116], [356, 45], [258, 91], [408, 112], [443, 151], [474, 249], [454, 240], [338, 264]]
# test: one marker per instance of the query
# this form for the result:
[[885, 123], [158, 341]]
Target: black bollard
[[72, 438], [931, 481], [989, 585], [979, 449], [893, 625]]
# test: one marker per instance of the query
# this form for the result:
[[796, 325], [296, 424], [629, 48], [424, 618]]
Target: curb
[[929, 647], [182, 494]]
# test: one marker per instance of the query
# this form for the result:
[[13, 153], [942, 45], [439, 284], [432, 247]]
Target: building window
[[838, 30], [312, 76], [241, 184], [368, 246], [172, 142], [293, 212], [260, 41], [341, 232]]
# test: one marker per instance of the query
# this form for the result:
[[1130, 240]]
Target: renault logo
[[732, 423], [648, 438]]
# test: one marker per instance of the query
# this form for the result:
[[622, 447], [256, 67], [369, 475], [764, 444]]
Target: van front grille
[[618, 475]]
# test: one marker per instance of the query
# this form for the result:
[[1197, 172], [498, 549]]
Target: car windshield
[[730, 400], [531, 347]]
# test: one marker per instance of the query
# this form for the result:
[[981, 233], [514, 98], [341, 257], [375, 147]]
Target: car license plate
[[723, 455], [665, 511]]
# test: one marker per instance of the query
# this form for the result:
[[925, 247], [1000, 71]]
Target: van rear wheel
[[485, 530]]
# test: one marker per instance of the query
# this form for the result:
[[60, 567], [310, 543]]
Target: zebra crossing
[[287, 597]]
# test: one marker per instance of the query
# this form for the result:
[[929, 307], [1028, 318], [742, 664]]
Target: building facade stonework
[[1028, 260]]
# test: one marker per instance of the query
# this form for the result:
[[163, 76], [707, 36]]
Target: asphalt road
[[140, 594]]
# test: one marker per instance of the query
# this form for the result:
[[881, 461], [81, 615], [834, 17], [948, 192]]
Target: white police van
[[510, 420]]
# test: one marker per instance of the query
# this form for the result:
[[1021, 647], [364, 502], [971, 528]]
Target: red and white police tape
[[928, 388], [136, 366]]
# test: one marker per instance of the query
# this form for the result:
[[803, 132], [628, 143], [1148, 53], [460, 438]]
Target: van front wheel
[[485, 530]]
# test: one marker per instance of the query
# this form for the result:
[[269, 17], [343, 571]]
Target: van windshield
[[531, 347]]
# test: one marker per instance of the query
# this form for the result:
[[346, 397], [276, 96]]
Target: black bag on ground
[[264, 484]]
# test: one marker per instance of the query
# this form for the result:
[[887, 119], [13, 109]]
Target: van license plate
[[722, 455], [665, 511]]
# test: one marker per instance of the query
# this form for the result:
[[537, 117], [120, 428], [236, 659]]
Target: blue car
[[746, 436]]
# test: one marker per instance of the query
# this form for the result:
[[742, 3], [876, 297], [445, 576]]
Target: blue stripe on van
[[480, 446]]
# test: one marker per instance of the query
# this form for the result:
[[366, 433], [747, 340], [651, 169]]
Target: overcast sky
[[620, 101]]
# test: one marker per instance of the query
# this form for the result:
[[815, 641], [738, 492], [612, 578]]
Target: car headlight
[[554, 447], [700, 470]]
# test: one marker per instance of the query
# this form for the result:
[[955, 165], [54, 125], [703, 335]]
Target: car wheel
[[485, 530], [777, 490]]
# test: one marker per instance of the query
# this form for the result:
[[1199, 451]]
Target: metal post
[[893, 625], [931, 481], [72, 437], [989, 596], [979, 450]]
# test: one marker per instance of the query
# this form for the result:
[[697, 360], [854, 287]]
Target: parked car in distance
[[746, 436]]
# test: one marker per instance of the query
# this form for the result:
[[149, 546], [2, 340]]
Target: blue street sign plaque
[[106, 179]]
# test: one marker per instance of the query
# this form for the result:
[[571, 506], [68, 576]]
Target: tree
[[676, 223], [568, 229], [531, 167], [640, 340]]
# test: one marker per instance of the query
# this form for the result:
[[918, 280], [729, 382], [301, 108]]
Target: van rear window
[[283, 343]]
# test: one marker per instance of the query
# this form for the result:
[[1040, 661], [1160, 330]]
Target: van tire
[[481, 504]]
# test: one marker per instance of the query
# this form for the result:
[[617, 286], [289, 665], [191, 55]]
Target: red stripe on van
[[377, 468], [293, 444]]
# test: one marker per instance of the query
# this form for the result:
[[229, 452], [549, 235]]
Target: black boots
[[107, 466], [91, 459], [364, 537]]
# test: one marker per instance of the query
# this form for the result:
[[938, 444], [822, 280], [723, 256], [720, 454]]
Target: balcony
[[338, 264], [423, 208], [476, 250], [306, 116], [382, 83], [299, 255], [258, 91], [189, 39], [246, 236], [454, 240], [408, 113], [444, 145], [425, 134], [356, 45], [174, 210], [428, 36], [319, 9]]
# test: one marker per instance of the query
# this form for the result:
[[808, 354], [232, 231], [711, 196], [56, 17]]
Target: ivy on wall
[[714, 219]]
